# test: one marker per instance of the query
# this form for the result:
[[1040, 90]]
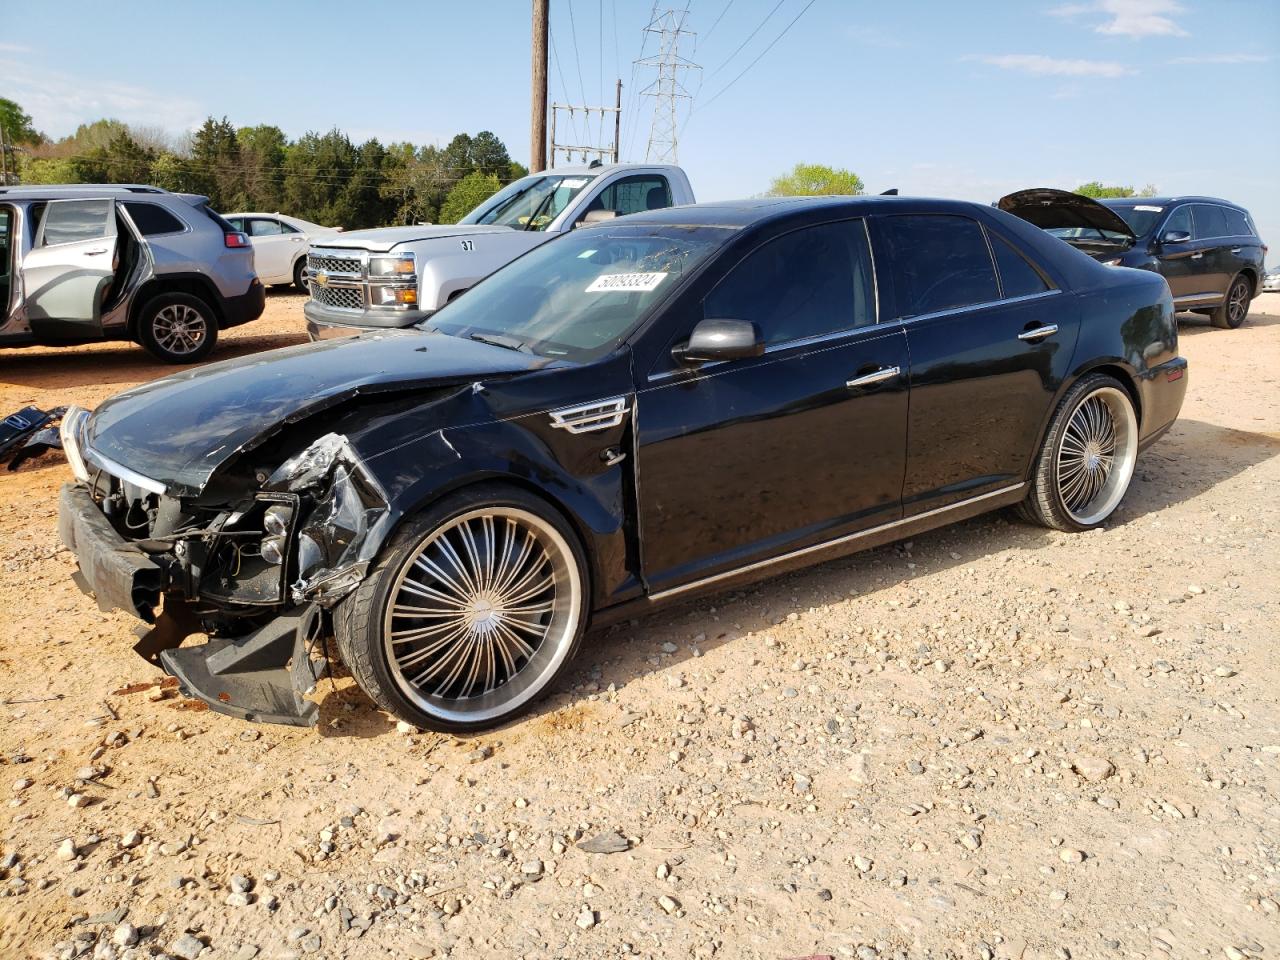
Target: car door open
[[68, 273]]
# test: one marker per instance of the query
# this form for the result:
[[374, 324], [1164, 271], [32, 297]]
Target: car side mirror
[[720, 340], [596, 216], [1175, 236]]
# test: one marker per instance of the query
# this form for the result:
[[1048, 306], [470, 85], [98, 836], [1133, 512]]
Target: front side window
[[531, 203], [1179, 220], [937, 262], [633, 195], [71, 221], [152, 219], [1209, 221], [807, 283], [578, 297], [1018, 278], [264, 228]]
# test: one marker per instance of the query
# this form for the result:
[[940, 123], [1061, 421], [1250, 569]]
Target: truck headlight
[[72, 430], [401, 265]]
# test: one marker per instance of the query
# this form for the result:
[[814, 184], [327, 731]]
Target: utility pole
[[667, 90], [538, 140], [4, 160], [617, 121]]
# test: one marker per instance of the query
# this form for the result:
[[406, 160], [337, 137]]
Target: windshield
[[579, 296], [529, 204], [1141, 217], [1089, 233]]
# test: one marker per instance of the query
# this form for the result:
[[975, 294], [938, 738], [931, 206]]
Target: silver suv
[[85, 262]]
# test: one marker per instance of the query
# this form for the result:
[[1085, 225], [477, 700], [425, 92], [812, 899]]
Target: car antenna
[[891, 192], [597, 162]]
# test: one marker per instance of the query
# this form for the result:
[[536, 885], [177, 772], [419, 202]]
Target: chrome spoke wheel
[[179, 329], [482, 614], [1096, 455], [1237, 303]]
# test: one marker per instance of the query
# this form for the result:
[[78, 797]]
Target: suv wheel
[[178, 328], [1235, 308], [298, 269], [1086, 463], [472, 612]]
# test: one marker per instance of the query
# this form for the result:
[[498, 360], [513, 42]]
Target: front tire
[[1235, 308], [178, 328], [298, 269], [474, 610], [1087, 460]]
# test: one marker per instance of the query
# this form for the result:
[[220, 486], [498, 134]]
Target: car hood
[[384, 239], [180, 430], [1049, 209]]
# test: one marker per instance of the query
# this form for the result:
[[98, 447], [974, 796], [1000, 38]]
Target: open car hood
[[1049, 209], [181, 429]]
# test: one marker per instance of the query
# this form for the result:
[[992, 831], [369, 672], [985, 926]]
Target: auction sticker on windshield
[[627, 282]]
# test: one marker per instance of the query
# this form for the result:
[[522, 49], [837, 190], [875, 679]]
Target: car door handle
[[1039, 333], [1236, 249], [296, 239], [876, 376], [95, 253], [1196, 256]]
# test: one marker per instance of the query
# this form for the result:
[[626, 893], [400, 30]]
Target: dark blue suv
[[1208, 250]]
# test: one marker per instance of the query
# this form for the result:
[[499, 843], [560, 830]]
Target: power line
[[582, 87], [751, 35], [564, 87], [707, 35], [725, 88]]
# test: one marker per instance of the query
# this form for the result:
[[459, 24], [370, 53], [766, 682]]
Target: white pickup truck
[[397, 276]]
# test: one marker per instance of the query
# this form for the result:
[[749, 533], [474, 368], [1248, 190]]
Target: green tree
[[816, 180], [470, 192], [121, 160], [214, 165], [1101, 191], [16, 124], [262, 150]]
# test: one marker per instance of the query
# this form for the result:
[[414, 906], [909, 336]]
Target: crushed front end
[[256, 572]]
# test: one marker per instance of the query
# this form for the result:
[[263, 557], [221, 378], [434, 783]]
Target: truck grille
[[347, 298], [333, 264]]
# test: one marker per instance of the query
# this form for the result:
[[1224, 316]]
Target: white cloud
[[59, 102], [1224, 58], [13, 48], [1128, 18], [1040, 65]]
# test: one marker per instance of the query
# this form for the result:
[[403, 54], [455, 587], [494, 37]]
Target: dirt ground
[[993, 741]]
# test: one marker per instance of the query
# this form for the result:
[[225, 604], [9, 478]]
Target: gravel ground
[[992, 741]]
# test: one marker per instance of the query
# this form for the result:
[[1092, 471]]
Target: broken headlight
[[72, 431]]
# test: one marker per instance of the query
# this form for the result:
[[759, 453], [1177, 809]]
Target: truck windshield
[[531, 203], [579, 296]]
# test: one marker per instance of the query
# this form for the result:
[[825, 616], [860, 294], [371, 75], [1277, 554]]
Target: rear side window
[[1237, 222], [264, 228], [152, 219], [1018, 278], [938, 262], [288, 228], [1210, 221], [71, 221], [807, 283]]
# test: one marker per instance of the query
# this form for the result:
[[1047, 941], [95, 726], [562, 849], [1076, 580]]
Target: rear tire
[[472, 612], [1087, 460], [178, 328], [1235, 308], [298, 269]]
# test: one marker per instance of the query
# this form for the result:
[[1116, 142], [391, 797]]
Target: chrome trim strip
[[987, 305], [121, 472], [1189, 297], [847, 538]]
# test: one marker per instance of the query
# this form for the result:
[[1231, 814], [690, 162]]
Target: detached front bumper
[[262, 676]]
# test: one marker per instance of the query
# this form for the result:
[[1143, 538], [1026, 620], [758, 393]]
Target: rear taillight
[[234, 238]]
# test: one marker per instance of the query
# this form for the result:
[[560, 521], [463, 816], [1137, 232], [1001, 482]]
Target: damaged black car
[[639, 412]]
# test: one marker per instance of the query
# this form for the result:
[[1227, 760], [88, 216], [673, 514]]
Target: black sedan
[[639, 412]]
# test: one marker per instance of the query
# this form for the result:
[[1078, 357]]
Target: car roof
[[79, 189], [585, 170], [757, 210], [1165, 201]]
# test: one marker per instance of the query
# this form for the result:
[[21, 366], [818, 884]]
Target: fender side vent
[[601, 415]]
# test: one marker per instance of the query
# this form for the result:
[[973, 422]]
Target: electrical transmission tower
[[667, 90]]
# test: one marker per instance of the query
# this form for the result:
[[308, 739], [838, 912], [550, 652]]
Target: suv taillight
[[234, 238]]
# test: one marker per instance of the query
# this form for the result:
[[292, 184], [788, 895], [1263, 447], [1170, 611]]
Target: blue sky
[[966, 100]]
